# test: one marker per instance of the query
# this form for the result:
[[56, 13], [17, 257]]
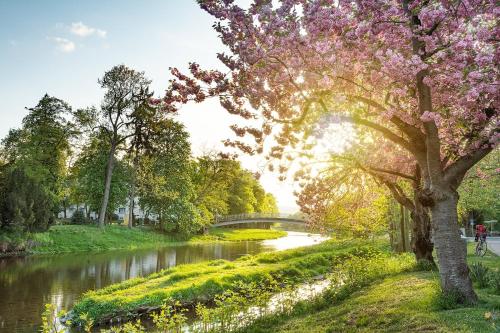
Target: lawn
[[78, 238], [406, 302]]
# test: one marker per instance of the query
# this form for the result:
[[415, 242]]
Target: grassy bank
[[406, 302], [200, 282], [371, 290], [79, 238]]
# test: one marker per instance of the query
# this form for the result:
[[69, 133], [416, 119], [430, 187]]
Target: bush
[[78, 218], [480, 274], [25, 205], [425, 265], [13, 242], [449, 301], [495, 281]]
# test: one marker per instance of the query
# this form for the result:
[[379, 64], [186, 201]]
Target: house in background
[[121, 212]]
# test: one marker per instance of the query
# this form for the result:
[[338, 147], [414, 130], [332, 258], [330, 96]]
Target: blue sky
[[61, 47], [40, 53]]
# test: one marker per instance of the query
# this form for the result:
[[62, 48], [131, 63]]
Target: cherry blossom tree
[[422, 73]]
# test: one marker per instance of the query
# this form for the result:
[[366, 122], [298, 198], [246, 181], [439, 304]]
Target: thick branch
[[455, 172]]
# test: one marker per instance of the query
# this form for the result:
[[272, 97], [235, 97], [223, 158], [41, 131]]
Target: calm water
[[27, 284]]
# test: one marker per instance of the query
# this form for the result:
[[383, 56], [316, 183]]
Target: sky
[[61, 47]]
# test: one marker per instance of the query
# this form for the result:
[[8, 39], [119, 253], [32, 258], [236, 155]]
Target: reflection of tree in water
[[26, 284]]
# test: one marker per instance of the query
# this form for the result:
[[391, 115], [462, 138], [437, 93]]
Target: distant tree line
[[131, 151]]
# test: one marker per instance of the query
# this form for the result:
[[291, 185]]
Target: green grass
[[78, 238], [200, 282], [405, 302], [221, 234], [388, 296]]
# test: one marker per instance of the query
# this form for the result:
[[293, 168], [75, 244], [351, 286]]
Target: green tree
[[126, 90], [223, 187], [37, 153], [163, 178], [479, 191], [87, 181], [241, 193], [268, 204], [211, 176]]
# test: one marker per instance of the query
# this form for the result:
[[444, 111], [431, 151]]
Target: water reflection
[[26, 284]]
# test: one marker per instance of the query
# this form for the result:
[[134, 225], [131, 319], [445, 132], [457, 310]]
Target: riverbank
[[80, 238], [409, 301], [200, 283], [371, 290]]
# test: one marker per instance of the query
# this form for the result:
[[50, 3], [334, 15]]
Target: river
[[28, 283]]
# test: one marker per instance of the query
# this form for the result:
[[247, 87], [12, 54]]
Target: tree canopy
[[422, 74]]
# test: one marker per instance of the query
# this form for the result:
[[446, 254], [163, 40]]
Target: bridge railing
[[253, 216]]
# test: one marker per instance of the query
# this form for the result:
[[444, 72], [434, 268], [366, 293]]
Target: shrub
[[25, 205], [425, 265], [449, 301], [479, 274], [78, 218], [495, 281]]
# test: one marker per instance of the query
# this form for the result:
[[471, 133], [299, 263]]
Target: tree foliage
[[422, 74], [480, 189], [35, 158], [25, 204], [87, 177], [164, 183], [223, 187]]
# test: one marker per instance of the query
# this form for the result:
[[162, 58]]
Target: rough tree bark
[[451, 249], [421, 242]]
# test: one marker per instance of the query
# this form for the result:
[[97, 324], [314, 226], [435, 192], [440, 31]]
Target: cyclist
[[480, 232]]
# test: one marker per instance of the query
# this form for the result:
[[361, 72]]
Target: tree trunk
[[451, 249], [107, 185], [421, 243], [132, 193], [402, 228], [131, 208], [64, 207]]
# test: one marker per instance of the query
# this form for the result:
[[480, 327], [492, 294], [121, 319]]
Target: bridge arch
[[222, 221]]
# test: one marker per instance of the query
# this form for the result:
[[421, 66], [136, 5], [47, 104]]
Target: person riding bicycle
[[480, 232]]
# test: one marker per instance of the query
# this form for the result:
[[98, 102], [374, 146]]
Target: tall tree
[[163, 178], [423, 74], [126, 90], [39, 149]]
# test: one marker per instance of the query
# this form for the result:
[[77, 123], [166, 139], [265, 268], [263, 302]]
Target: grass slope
[[403, 303], [233, 235], [200, 282], [78, 238], [407, 302]]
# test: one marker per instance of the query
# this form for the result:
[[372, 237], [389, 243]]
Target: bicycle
[[481, 246]]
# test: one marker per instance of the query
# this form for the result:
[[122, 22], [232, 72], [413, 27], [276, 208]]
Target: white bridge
[[221, 221]]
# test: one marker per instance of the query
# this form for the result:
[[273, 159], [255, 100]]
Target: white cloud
[[82, 30], [63, 44]]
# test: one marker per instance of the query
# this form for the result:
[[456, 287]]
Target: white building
[[121, 212]]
